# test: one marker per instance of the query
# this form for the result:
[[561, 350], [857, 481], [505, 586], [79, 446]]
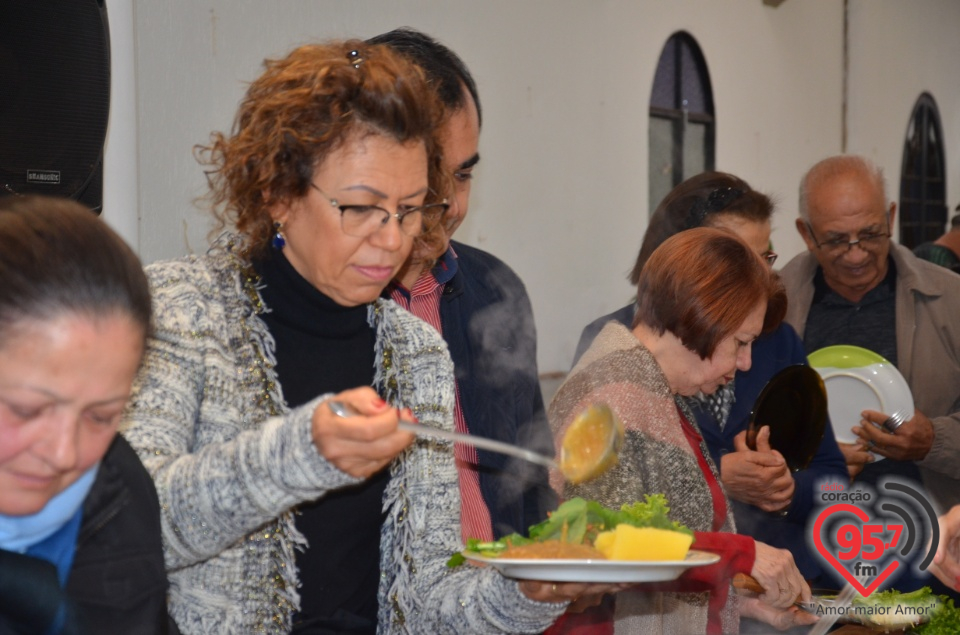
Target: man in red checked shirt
[[481, 308]]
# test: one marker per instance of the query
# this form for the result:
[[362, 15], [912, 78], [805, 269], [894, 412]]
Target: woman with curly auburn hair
[[294, 115], [280, 511]]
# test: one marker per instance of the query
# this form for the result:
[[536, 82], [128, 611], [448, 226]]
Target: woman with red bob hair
[[703, 296]]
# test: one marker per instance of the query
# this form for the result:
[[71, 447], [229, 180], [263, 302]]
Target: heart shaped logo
[[827, 551]]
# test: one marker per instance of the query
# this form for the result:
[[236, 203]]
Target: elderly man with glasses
[[855, 286]]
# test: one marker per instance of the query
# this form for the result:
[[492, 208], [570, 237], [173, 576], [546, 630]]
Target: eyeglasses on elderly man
[[867, 239]]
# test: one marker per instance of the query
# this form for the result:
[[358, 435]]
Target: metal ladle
[[589, 448]]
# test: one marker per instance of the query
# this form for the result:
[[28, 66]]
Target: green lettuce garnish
[[945, 619], [578, 521]]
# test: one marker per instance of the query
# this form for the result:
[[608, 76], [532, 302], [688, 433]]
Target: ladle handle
[[480, 442], [750, 583], [747, 583], [343, 410]]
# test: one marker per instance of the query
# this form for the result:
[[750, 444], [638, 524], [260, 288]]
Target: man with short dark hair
[[481, 308], [855, 287]]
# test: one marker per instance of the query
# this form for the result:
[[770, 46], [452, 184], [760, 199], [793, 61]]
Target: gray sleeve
[[945, 450], [467, 598], [422, 528], [219, 475]]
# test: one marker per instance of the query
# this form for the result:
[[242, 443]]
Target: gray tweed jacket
[[928, 353], [231, 462]]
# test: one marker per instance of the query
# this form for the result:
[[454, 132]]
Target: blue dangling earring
[[279, 240]]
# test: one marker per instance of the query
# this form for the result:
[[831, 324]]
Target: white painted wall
[[561, 191], [898, 51], [120, 184]]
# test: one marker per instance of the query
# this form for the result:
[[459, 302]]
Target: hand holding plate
[[858, 379], [783, 481], [758, 477], [581, 595], [856, 456], [911, 441]]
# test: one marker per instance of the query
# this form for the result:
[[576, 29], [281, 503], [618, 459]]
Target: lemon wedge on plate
[[626, 542]]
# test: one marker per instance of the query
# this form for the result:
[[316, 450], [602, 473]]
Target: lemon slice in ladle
[[591, 444]]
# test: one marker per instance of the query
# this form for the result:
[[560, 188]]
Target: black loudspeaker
[[54, 98]]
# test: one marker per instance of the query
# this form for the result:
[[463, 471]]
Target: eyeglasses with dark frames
[[361, 221], [866, 240]]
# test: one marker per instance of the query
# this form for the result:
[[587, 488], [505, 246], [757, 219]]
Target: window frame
[[680, 117], [917, 223]]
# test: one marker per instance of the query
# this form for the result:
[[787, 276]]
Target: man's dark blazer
[[488, 325]]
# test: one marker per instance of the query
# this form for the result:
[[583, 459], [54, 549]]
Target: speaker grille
[[54, 97]]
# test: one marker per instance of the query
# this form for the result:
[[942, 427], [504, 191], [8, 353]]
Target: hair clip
[[717, 201], [355, 58]]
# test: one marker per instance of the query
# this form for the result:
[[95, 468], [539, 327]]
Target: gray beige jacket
[[928, 352], [231, 461]]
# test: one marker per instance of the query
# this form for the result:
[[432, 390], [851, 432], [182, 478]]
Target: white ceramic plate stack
[[858, 379]]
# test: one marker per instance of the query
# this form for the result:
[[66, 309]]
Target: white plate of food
[[607, 571], [858, 379]]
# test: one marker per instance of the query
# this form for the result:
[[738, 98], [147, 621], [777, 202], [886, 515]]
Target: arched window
[[923, 209], [682, 128]]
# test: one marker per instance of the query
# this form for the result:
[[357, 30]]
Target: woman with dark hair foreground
[[279, 514], [703, 297], [80, 549]]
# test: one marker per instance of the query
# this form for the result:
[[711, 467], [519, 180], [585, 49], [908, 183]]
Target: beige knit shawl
[[656, 458]]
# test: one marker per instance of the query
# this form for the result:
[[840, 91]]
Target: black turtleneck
[[323, 347]]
